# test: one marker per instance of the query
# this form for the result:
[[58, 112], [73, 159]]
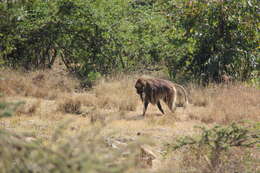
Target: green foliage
[[221, 138], [27, 34], [255, 80], [215, 37], [194, 39], [92, 76], [99, 36]]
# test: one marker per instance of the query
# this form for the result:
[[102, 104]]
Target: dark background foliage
[[191, 40]]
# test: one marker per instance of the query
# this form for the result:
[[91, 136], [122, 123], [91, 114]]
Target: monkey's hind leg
[[160, 107]]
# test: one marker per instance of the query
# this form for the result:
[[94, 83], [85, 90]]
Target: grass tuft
[[69, 105], [225, 105]]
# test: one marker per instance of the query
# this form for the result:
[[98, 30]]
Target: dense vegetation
[[191, 39]]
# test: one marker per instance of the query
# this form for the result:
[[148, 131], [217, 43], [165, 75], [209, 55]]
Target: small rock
[[30, 139], [116, 144], [146, 156]]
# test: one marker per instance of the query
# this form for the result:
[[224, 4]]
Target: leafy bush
[[214, 38], [218, 139], [197, 41], [27, 34]]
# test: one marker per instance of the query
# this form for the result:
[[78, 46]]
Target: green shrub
[[195, 40], [218, 139], [212, 38]]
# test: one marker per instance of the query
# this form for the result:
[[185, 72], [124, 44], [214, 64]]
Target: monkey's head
[[140, 86]]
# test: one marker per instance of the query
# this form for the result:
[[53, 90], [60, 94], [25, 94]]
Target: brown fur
[[154, 90]]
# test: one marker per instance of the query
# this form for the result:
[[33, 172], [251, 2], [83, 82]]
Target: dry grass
[[225, 104], [39, 84], [86, 98], [116, 94], [113, 107], [29, 108], [192, 160], [70, 105]]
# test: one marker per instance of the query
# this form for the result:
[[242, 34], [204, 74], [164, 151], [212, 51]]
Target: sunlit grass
[[112, 110]]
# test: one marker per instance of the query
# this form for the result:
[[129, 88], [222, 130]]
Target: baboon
[[154, 90]]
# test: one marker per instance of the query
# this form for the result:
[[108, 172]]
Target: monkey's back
[[159, 89]]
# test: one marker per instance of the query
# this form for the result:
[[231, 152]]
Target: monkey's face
[[140, 92], [139, 86], [139, 89]]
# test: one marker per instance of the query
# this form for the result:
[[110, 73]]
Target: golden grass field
[[102, 128]]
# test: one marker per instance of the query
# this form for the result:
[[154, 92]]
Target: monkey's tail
[[184, 92], [174, 100]]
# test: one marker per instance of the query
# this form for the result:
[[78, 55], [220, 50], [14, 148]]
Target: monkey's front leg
[[145, 106]]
